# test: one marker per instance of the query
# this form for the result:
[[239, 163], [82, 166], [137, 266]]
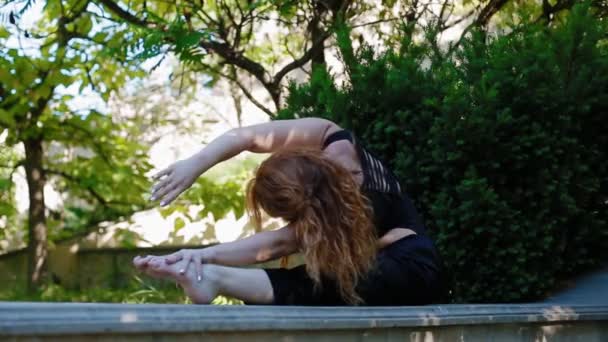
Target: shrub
[[502, 144]]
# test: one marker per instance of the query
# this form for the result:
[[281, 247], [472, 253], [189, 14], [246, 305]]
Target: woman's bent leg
[[249, 285]]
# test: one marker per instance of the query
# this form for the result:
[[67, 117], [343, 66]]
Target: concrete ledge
[[478, 322]]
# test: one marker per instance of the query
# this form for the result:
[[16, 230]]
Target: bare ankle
[[211, 273], [205, 290]]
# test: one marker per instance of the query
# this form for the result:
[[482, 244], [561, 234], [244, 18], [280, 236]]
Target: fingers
[[162, 188], [197, 267], [187, 261], [161, 193], [160, 266], [198, 262], [163, 183], [167, 193], [161, 173], [171, 195]]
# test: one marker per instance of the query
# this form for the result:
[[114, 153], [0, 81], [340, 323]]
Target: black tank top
[[391, 206]]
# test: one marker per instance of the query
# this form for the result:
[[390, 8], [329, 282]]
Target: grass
[[137, 292]]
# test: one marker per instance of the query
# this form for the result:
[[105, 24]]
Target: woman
[[361, 238]]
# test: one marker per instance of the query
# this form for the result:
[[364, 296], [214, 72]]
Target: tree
[[8, 212], [81, 152], [98, 45], [500, 142], [219, 38]]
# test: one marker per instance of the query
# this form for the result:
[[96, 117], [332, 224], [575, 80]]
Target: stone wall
[[117, 322], [13, 270], [79, 268], [76, 268]]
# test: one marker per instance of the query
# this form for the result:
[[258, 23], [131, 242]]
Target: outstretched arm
[[261, 138], [261, 247]]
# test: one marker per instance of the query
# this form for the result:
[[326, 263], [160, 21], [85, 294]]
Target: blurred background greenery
[[492, 113]]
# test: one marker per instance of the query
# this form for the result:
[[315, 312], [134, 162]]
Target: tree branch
[[488, 12], [293, 55], [225, 51], [548, 11], [461, 19], [379, 21], [410, 15], [89, 189], [16, 166], [307, 56], [443, 8], [13, 167], [234, 57], [98, 147], [246, 92], [75, 180], [116, 9]]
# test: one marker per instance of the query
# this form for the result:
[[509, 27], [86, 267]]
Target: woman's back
[[391, 206]]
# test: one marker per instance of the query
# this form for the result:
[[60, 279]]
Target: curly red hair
[[331, 217]]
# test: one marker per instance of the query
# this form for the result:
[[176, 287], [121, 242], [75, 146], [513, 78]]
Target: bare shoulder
[[270, 136], [314, 123], [320, 125], [344, 153], [332, 127]]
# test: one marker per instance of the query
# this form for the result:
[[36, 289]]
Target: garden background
[[492, 114]]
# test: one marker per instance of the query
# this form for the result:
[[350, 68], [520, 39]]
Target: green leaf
[[178, 224], [4, 33]]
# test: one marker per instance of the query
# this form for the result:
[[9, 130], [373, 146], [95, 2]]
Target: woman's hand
[[393, 235], [188, 257], [176, 178], [154, 264]]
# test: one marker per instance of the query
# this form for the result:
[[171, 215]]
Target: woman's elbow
[[243, 137], [265, 254], [280, 248]]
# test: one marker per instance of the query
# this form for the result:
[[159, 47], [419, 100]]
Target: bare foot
[[203, 289], [199, 285], [153, 266]]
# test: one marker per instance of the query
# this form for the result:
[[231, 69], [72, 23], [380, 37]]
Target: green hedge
[[502, 144]]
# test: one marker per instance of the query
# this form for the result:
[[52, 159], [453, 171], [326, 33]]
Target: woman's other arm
[[261, 138], [260, 247], [268, 137]]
